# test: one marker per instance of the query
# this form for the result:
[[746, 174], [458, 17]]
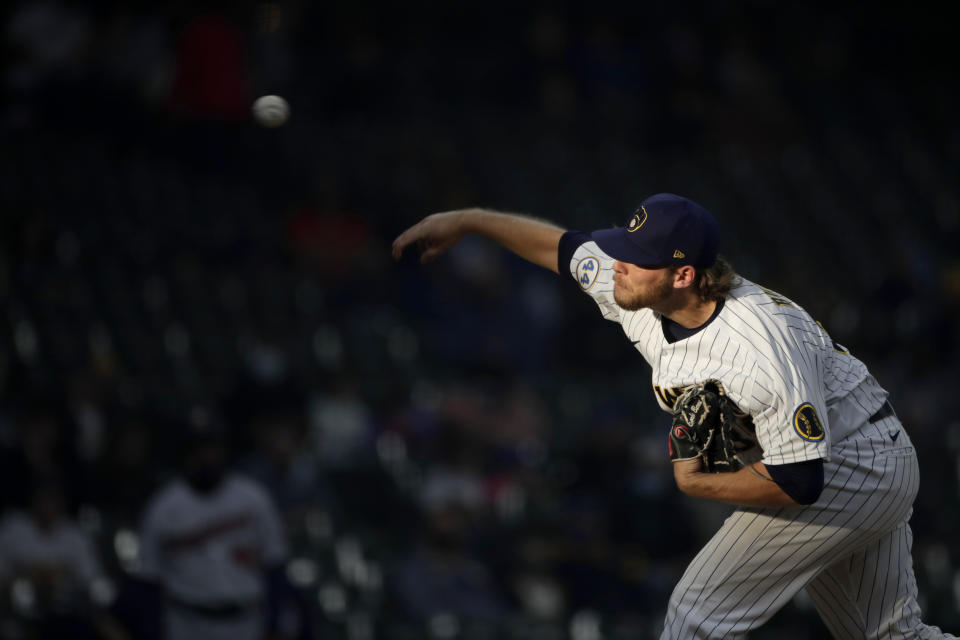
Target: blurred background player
[[49, 561], [213, 544]]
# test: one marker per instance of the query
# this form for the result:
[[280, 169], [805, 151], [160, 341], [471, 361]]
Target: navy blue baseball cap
[[665, 230]]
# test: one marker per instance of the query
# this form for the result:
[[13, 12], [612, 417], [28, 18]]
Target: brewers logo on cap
[[639, 217]]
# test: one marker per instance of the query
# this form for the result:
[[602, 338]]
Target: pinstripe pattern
[[851, 549], [770, 355]]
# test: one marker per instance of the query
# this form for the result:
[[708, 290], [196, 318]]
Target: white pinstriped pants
[[850, 549]]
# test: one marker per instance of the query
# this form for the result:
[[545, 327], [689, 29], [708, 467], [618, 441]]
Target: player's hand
[[434, 234]]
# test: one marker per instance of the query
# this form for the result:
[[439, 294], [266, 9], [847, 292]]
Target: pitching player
[[827, 506]]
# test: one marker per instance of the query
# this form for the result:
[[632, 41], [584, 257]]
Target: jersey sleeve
[[592, 269], [802, 481], [791, 413]]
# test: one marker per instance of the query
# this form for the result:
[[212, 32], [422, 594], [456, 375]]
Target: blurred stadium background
[[465, 450]]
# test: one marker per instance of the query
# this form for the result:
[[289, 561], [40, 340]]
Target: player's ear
[[684, 276]]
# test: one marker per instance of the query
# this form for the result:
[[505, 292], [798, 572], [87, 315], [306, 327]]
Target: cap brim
[[616, 244]]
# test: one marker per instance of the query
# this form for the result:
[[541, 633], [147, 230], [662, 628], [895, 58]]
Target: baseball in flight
[[271, 111]]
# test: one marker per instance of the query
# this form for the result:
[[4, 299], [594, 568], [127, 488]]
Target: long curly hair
[[716, 281]]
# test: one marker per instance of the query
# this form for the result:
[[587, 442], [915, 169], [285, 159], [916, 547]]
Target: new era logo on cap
[[676, 231]]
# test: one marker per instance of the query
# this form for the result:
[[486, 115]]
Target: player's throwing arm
[[530, 238]]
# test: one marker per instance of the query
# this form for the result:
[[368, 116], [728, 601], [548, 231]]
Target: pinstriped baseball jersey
[[809, 399], [772, 358]]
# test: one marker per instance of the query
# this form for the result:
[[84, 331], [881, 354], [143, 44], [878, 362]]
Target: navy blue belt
[[883, 412]]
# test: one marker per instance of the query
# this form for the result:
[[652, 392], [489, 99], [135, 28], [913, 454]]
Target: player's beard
[[650, 297]]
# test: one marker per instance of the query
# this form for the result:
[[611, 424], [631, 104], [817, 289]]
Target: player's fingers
[[402, 241], [398, 247], [429, 253]]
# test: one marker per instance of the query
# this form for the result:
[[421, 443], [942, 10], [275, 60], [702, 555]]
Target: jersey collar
[[674, 332]]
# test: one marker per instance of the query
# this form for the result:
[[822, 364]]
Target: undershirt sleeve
[[802, 481], [569, 242]]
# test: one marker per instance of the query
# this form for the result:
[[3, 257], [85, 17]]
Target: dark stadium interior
[[466, 449]]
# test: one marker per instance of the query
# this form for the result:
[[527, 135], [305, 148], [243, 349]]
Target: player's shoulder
[[751, 302], [16, 523], [172, 492], [743, 302], [754, 315], [748, 292], [243, 485]]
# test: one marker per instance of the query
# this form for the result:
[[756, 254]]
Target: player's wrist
[[685, 472], [471, 220]]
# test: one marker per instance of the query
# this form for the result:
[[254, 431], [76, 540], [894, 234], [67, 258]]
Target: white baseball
[[271, 111]]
